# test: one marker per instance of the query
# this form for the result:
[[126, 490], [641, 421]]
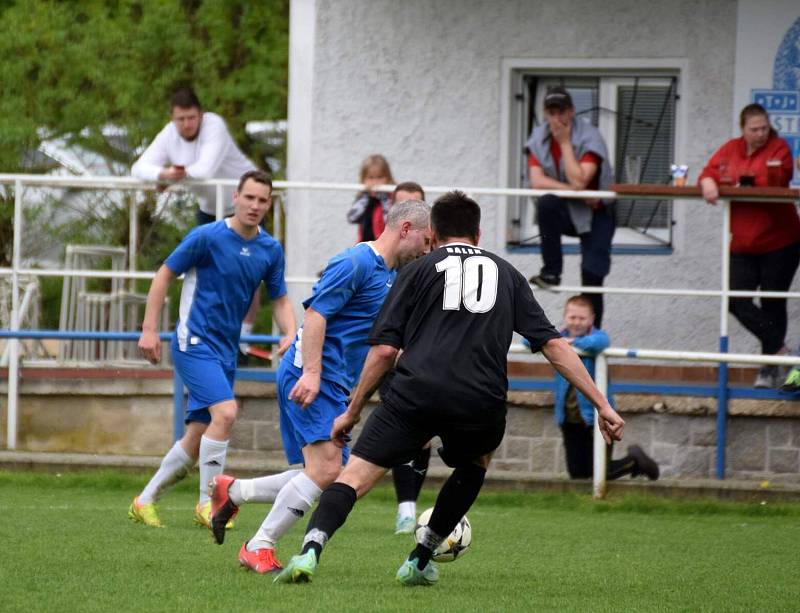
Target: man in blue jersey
[[316, 376], [224, 264]]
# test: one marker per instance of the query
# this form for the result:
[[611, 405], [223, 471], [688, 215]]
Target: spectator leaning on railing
[[195, 144], [571, 155], [765, 237]]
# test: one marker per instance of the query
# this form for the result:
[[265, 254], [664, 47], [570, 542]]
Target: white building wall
[[420, 81]]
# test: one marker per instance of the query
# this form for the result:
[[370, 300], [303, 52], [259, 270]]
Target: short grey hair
[[415, 211]]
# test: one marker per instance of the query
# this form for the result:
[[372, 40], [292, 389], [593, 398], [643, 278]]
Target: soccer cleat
[[144, 514], [645, 465], [261, 561], [300, 569], [792, 383], [202, 516], [404, 524], [409, 574], [222, 508]]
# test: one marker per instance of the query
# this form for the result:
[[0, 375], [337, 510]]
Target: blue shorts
[[301, 427], [208, 379]]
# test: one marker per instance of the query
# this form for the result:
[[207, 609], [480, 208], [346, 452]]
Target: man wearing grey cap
[[565, 154]]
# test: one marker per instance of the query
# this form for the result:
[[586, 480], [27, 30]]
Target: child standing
[[370, 207], [575, 414]]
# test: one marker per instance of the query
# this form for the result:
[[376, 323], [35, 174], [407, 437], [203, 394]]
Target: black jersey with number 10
[[453, 313]]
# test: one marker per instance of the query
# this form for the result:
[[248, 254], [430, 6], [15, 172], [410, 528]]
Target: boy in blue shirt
[[224, 264], [315, 378], [575, 414]]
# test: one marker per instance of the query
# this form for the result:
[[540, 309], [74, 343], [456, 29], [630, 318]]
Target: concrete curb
[[245, 466]]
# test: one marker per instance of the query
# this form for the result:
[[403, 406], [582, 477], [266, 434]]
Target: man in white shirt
[[196, 144]]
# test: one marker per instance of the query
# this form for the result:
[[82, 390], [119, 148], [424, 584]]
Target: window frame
[[612, 72]]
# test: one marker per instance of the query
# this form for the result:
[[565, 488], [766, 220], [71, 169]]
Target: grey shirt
[[585, 138]]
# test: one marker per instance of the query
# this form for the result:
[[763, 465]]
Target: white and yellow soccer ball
[[455, 545]]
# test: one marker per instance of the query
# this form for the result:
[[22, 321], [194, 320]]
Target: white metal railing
[[19, 181]]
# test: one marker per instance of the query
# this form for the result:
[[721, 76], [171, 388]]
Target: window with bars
[[636, 116]]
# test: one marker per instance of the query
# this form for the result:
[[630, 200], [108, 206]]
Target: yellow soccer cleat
[[144, 514], [202, 516]]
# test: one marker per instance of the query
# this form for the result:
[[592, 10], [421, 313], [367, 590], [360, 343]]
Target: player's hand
[[342, 425], [150, 346], [611, 424], [305, 390], [710, 191], [285, 343], [172, 173], [561, 131]]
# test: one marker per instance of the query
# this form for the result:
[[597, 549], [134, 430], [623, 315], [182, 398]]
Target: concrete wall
[[421, 82], [135, 418]]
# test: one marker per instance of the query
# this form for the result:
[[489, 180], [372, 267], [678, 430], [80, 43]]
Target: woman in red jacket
[[765, 237]]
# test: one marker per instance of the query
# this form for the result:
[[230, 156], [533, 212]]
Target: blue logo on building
[[783, 100]]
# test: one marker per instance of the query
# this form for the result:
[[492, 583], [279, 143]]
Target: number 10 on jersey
[[471, 282]]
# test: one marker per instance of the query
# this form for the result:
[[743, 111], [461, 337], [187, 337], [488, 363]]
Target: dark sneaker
[[645, 465], [545, 281]]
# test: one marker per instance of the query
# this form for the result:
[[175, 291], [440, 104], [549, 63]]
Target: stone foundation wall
[[135, 417]]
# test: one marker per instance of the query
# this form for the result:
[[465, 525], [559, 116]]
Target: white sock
[[292, 502], [174, 467], [212, 463], [262, 489], [247, 330], [407, 509]]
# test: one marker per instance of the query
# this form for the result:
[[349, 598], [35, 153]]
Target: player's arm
[[564, 359], [149, 343], [307, 387], [283, 313], [380, 360]]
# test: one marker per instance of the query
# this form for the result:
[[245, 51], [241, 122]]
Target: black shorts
[[393, 436]]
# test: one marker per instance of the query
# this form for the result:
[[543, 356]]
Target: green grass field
[[68, 546]]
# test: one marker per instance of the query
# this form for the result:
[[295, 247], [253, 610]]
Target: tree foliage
[[71, 67]]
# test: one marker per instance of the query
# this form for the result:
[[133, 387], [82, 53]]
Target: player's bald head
[[415, 211]]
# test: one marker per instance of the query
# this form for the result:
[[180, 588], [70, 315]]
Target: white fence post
[[13, 354], [600, 450]]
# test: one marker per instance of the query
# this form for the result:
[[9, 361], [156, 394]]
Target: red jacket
[[756, 227]]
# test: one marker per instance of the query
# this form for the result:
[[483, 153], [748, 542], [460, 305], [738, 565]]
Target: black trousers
[[771, 271], [554, 221], [579, 448]]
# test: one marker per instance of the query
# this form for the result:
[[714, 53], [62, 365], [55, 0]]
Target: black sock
[[454, 500], [404, 482], [335, 505], [420, 466]]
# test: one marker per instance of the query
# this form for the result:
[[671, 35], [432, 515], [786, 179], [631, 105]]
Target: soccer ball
[[455, 545]]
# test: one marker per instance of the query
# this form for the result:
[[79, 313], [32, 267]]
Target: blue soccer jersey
[[349, 296], [223, 272]]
